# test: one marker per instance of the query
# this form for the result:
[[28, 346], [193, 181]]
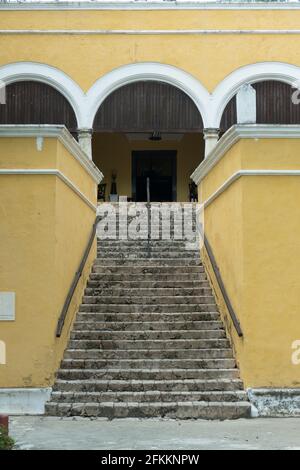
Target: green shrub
[[6, 443]]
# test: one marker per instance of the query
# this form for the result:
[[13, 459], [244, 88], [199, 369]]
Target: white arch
[[147, 71], [249, 74], [211, 106], [20, 71]]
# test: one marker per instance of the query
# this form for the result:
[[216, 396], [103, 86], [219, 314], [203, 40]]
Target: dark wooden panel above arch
[[30, 102], [148, 106], [274, 103], [229, 117]]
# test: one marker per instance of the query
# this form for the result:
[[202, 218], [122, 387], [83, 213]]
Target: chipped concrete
[[275, 402], [34, 432]]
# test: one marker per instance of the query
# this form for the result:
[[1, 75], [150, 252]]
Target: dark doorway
[[160, 167]]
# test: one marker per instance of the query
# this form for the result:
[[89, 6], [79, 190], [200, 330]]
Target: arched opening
[[274, 105], [148, 129], [34, 102]]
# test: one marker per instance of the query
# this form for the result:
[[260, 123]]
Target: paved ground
[[33, 432]]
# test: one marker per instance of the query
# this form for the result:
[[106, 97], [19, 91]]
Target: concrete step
[[148, 364], [149, 344], [184, 252], [156, 220], [145, 326], [148, 269], [148, 308], [134, 232], [123, 222], [138, 255], [147, 374], [149, 396], [155, 245], [176, 410], [147, 317], [155, 215], [130, 224], [139, 385], [156, 212], [153, 354], [141, 284], [146, 335], [146, 292], [148, 262], [147, 300], [112, 275], [128, 245], [160, 237]]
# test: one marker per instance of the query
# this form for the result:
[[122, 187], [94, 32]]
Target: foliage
[[6, 442]]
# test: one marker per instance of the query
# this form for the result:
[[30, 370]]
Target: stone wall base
[[275, 402], [23, 401], [267, 402]]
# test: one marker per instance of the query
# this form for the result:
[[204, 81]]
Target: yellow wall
[[113, 152], [253, 228], [208, 57], [44, 230]]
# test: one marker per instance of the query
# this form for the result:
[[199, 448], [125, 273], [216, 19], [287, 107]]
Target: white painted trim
[[20, 71], [241, 173], [251, 73], [275, 402], [24, 401], [147, 32], [234, 134], [47, 172], [148, 71], [58, 132], [211, 106], [150, 5]]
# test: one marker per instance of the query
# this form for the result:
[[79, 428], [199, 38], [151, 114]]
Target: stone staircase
[[148, 340]]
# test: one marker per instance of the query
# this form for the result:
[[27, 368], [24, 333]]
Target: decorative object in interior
[[193, 192], [101, 191], [113, 197]]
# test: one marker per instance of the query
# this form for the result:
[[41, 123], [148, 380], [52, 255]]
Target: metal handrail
[[75, 281], [149, 217], [217, 273]]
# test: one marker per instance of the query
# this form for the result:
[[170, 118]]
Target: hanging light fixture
[[155, 136]]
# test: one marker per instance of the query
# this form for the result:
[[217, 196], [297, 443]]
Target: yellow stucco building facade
[[237, 66]]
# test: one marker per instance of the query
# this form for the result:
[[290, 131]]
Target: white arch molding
[[252, 73], [142, 71], [21, 71], [210, 106]]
